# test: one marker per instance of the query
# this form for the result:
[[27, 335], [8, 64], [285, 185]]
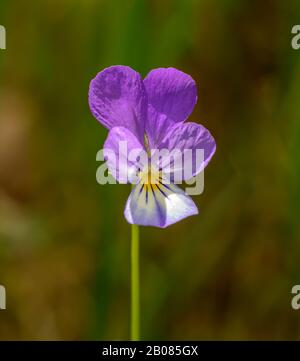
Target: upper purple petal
[[172, 96], [117, 97]]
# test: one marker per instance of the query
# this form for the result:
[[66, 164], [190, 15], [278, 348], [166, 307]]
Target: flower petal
[[192, 146], [117, 97], [158, 205], [124, 154], [172, 96]]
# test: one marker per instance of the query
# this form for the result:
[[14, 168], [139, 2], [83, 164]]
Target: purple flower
[[150, 114]]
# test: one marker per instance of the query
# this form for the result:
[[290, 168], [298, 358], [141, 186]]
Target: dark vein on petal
[[152, 189], [160, 211], [142, 187], [162, 192], [166, 186]]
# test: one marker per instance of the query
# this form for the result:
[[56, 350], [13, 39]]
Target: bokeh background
[[64, 243]]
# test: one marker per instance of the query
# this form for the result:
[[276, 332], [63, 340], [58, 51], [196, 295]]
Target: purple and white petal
[[172, 96], [158, 205], [117, 97], [124, 155], [188, 148]]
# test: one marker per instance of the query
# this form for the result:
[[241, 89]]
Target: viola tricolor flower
[[149, 115]]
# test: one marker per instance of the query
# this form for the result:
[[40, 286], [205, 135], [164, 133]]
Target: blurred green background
[[64, 243]]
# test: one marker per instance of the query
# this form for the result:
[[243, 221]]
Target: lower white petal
[[158, 205]]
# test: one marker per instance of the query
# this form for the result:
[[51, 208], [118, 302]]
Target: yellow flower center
[[150, 177]]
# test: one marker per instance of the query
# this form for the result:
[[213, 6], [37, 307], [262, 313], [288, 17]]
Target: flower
[[149, 114]]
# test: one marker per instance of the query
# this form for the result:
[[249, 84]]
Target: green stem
[[135, 284]]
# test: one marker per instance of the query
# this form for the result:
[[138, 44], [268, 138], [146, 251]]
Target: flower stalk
[[135, 284]]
